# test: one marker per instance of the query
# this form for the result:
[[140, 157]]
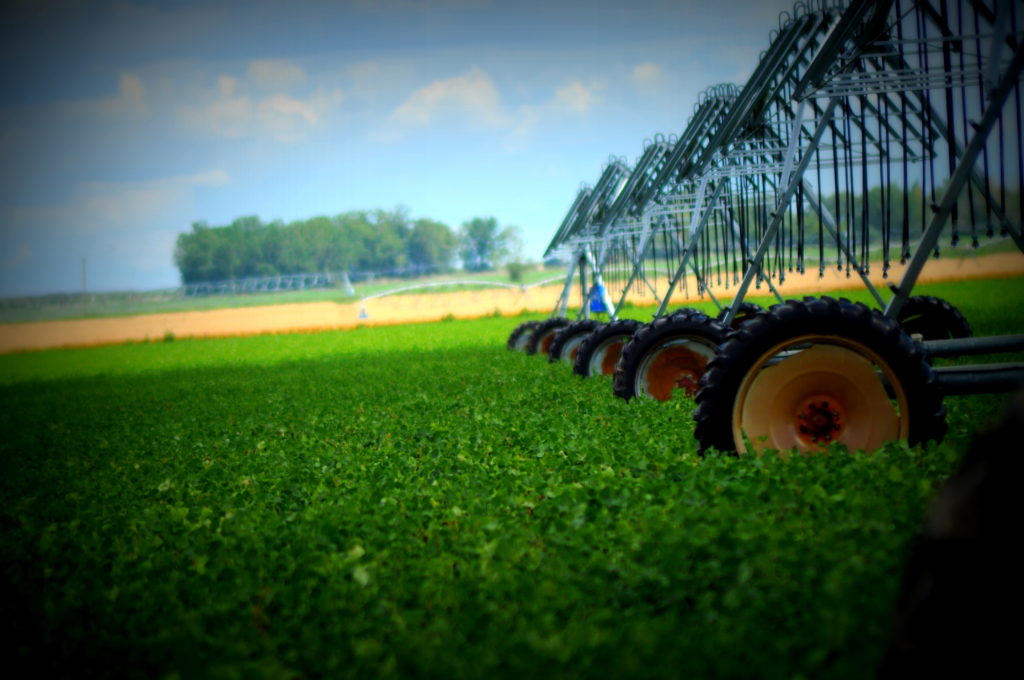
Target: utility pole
[[85, 288]]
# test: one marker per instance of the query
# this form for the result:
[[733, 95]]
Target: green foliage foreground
[[417, 500]]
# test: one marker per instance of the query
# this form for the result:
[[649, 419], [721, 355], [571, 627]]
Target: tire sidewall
[[823, 318], [568, 334], [543, 329], [681, 325], [514, 339], [602, 336]]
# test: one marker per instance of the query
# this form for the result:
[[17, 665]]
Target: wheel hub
[[821, 419], [688, 382], [679, 364], [816, 396]]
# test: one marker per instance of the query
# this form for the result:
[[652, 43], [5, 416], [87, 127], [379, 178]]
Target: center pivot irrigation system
[[869, 133]]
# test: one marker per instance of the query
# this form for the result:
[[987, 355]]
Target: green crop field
[[418, 501]]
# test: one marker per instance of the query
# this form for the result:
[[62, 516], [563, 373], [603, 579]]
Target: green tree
[[485, 245], [193, 253], [386, 242], [378, 240], [431, 245]]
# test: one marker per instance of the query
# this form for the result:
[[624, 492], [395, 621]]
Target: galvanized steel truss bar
[[836, 91], [643, 193], [699, 220], [959, 347], [979, 378], [829, 222], [997, 98], [650, 166], [604, 193], [935, 120], [569, 221], [860, 132], [637, 271], [563, 299], [585, 217], [779, 214]]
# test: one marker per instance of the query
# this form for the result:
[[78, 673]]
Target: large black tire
[[566, 343], [807, 373], [599, 352], [521, 333], [670, 352], [746, 310], [542, 335], [933, 318]]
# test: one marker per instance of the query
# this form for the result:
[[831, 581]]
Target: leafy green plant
[[417, 500]]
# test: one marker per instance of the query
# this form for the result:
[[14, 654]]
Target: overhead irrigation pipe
[[496, 284]]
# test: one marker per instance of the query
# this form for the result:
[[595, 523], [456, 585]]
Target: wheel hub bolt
[[819, 421], [689, 383]]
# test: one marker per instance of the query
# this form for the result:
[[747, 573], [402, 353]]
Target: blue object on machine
[[597, 299]]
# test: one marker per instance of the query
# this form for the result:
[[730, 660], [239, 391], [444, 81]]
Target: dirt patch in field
[[319, 316]]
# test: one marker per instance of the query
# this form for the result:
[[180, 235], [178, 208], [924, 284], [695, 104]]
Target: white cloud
[[365, 71], [287, 118], [471, 97], [129, 102], [577, 97], [647, 77], [228, 114], [373, 86], [209, 178], [276, 74], [237, 108]]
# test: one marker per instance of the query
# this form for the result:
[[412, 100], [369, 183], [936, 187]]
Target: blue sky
[[121, 123]]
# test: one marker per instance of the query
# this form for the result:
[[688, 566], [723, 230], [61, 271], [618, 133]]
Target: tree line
[[381, 241]]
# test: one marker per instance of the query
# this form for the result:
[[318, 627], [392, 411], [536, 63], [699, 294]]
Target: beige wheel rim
[[678, 364], [806, 399]]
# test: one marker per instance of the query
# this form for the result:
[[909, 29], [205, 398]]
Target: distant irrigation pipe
[[436, 284]]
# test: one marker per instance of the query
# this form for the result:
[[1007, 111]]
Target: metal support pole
[[780, 210], [645, 238], [940, 127], [829, 222], [956, 182], [85, 287], [701, 284], [958, 347], [584, 312], [700, 219], [979, 378], [760, 272], [794, 141], [767, 279], [563, 299]]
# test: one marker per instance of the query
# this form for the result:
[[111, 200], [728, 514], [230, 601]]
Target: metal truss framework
[[901, 95], [865, 132]]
